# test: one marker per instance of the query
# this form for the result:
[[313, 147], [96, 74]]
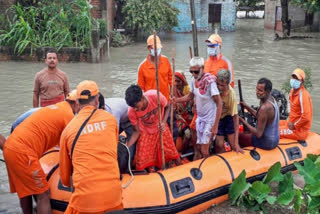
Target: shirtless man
[[266, 134]]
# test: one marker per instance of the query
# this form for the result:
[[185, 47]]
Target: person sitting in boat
[[24, 147], [183, 110], [229, 121], [143, 113], [88, 153], [209, 106], [300, 117], [266, 134]]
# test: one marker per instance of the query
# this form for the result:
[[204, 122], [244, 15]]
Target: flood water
[[251, 50]]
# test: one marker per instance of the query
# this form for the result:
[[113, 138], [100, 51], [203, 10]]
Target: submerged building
[[210, 14]]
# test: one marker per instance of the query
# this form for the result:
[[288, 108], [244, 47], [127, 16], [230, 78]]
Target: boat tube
[[191, 187]]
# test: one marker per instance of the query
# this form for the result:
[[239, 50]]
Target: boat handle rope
[[129, 168], [2, 160]]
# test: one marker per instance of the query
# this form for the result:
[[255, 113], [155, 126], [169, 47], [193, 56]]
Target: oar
[[172, 89], [158, 96], [240, 94]]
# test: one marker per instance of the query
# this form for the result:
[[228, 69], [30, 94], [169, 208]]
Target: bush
[[103, 27], [54, 23], [147, 15]]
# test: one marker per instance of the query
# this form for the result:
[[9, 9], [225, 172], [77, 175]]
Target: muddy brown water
[[251, 50]]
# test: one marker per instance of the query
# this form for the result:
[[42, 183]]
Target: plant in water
[[307, 82], [256, 195], [149, 15]]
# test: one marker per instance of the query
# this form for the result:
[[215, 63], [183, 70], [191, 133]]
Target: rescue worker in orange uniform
[[216, 60], [147, 77], [25, 146], [146, 70], [88, 156], [300, 117]]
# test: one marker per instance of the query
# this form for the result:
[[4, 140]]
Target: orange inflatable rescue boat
[[191, 187]]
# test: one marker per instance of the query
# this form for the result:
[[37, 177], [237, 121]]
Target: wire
[[129, 168]]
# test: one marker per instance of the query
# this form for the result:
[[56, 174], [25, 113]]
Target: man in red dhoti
[[143, 114]]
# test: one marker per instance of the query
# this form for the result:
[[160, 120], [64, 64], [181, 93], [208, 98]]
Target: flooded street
[[251, 50]]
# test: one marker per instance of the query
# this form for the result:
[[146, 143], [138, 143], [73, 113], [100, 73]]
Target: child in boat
[[209, 106], [144, 116], [229, 121]]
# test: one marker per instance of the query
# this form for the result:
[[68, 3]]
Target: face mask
[[295, 84], [211, 51], [158, 52]]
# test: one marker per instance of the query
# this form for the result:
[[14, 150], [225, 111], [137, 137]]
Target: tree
[[310, 6], [147, 15]]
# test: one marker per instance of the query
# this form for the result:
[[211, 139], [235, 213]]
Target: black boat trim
[[182, 205], [165, 185], [52, 171], [284, 156], [228, 165]]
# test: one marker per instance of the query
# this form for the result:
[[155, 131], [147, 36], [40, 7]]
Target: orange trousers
[[297, 134]]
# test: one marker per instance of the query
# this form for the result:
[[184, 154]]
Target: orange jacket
[[212, 65], [41, 130], [93, 165], [147, 75], [301, 109]]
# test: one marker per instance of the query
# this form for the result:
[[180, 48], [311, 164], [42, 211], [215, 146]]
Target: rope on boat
[[2, 160], [129, 168]]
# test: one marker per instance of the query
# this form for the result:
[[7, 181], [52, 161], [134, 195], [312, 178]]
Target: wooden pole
[[172, 89], [194, 29], [158, 96], [190, 50]]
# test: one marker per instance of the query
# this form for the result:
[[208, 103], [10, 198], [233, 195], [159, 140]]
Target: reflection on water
[[251, 50]]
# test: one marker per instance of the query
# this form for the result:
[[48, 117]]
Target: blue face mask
[[295, 84], [212, 51], [158, 51]]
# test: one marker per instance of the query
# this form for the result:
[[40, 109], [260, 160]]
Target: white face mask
[[158, 52], [211, 51]]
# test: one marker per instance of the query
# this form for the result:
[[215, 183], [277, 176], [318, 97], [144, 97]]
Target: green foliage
[[255, 196], [103, 27], [307, 82], [55, 23], [147, 15], [238, 188], [310, 6], [273, 174], [249, 3]]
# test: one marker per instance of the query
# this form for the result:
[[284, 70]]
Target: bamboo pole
[[190, 51], [158, 96], [172, 89], [194, 29]]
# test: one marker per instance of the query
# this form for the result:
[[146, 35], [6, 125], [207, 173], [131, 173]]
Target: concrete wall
[[228, 15], [64, 55], [270, 12]]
